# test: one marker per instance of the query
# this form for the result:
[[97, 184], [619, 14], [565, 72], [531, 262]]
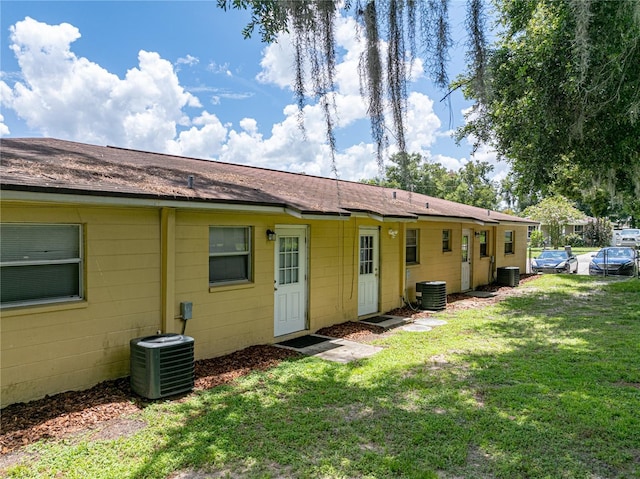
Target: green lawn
[[575, 250], [545, 384]]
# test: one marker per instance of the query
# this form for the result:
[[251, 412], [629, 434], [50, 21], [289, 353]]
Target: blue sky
[[178, 77]]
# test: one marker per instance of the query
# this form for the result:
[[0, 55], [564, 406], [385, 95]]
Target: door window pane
[[366, 254], [289, 263]]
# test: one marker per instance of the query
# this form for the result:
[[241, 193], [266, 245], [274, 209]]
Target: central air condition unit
[[432, 295], [162, 365], [508, 276]]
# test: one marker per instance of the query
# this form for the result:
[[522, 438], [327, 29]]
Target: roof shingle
[[51, 165]]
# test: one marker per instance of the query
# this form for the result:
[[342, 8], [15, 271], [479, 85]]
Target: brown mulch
[[67, 413]]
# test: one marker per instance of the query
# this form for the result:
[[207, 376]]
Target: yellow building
[[101, 245]]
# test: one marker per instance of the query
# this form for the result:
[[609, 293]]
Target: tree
[[410, 29], [598, 233], [475, 187], [563, 96], [555, 213], [471, 185], [563, 82]]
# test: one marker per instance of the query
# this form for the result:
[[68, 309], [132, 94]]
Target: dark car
[[554, 261], [614, 261]]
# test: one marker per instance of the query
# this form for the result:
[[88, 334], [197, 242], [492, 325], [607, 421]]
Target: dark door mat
[[303, 341], [376, 319]]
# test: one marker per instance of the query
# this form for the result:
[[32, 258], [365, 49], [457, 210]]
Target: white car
[[628, 237]]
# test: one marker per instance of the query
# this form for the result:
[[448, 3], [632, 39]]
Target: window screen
[[508, 242], [484, 241], [446, 240], [412, 247], [40, 263], [229, 254]]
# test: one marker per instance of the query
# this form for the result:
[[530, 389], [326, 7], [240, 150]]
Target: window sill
[[10, 311], [230, 286]]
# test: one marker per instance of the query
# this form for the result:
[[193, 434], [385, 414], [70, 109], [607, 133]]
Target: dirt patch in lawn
[[106, 407]]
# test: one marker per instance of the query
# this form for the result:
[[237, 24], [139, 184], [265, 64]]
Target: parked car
[[628, 237], [615, 261], [554, 261]]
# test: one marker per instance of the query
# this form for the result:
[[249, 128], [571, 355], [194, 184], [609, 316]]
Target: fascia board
[[98, 200]]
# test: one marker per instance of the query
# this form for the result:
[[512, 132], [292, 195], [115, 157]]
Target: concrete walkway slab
[[481, 294], [422, 325], [416, 328], [336, 349], [386, 321], [430, 321], [341, 350]]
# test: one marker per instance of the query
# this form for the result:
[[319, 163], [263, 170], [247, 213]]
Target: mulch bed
[[66, 413], [62, 414]]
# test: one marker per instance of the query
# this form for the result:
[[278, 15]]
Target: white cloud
[[188, 60], [69, 97], [277, 63], [64, 96], [4, 129]]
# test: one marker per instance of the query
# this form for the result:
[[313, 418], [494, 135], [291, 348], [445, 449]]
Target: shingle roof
[[51, 165]]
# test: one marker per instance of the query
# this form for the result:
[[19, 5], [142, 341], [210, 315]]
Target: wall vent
[[162, 365]]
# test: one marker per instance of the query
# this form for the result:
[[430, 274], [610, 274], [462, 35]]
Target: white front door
[[465, 281], [368, 282], [290, 282]]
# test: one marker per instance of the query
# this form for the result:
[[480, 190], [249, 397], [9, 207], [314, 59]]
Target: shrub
[[537, 239], [574, 239]]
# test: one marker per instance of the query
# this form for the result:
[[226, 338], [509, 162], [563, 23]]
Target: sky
[[178, 77]]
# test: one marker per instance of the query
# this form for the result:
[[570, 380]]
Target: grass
[[544, 384]]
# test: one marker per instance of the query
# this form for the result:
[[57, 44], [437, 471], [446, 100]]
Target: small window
[[40, 263], [229, 254], [446, 240], [484, 240], [508, 242], [412, 247]]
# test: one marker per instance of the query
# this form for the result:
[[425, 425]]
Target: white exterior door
[[465, 281], [290, 282], [368, 278]]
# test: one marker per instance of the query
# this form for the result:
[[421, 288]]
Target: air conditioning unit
[[432, 295], [508, 276], [162, 365]]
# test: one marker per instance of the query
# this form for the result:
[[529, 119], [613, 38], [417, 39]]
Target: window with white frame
[[229, 254], [508, 242], [412, 242], [446, 240], [40, 263]]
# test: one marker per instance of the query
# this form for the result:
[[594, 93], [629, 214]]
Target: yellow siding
[[141, 263], [519, 257], [53, 348], [435, 264]]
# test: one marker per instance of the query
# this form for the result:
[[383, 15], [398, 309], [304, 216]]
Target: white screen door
[[368, 278], [290, 282], [465, 280]]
